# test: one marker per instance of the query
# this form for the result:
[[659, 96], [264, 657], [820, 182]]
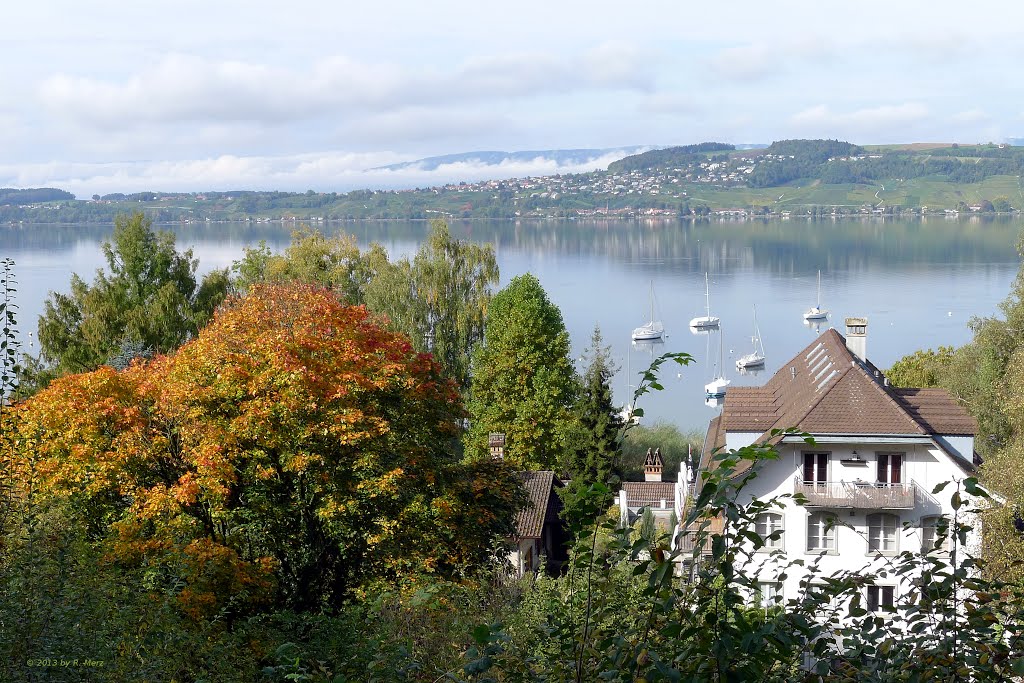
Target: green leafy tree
[[524, 383], [150, 295], [438, 299], [8, 332], [596, 452], [987, 376], [922, 368], [332, 262], [676, 446]]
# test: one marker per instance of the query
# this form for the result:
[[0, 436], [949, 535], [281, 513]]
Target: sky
[[191, 95]]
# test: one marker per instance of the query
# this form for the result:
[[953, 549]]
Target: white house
[[879, 452]]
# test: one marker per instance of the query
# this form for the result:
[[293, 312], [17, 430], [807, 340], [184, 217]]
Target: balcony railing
[[860, 495]]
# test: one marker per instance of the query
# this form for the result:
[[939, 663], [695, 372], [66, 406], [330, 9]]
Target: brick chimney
[[653, 465], [857, 337]]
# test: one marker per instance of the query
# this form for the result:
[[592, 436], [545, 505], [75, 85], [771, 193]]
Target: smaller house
[[541, 536], [660, 497]]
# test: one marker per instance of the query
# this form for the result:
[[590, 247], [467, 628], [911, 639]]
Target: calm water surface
[[919, 282]]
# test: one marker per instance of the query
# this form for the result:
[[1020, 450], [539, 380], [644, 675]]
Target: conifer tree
[[596, 454]]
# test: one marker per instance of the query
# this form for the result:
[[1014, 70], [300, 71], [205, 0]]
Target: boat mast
[[652, 303], [707, 294]]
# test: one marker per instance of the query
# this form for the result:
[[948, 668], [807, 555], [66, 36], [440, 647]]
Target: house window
[[890, 468], [768, 594], [934, 530], [767, 524], [821, 532], [815, 468], [881, 598], [883, 534]]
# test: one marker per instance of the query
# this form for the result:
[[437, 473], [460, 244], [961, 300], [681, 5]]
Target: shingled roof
[[826, 389], [543, 503]]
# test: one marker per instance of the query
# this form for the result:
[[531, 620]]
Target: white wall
[[925, 465], [734, 440]]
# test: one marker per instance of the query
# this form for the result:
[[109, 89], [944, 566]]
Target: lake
[[918, 281]]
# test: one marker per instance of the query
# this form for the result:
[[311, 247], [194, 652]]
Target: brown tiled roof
[[649, 493], [542, 504], [937, 410], [825, 389]]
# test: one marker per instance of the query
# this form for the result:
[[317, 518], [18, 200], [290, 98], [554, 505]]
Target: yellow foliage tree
[[291, 453]]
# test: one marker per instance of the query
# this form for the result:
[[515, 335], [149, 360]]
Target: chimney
[[857, 337], [653, 465]]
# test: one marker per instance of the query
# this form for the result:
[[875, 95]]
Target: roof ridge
[[821, 395], [548, 476]]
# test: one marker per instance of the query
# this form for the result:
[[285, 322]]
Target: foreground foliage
[[625, 614]]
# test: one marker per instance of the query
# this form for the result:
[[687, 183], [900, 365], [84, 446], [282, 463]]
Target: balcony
[[858, 495]]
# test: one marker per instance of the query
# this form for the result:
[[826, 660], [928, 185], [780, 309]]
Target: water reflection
[[752, 372], [816, 326], [917, 281], [650, 347], [783, 247]]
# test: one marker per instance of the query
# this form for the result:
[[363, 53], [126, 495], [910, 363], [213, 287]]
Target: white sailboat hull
[[716, 387], [751, 360], [648, 332], [705, 321]]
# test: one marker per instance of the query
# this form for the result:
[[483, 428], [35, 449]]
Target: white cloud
[[867, 120], [417, 124], [328, 171], [759, 60], [190, 88]]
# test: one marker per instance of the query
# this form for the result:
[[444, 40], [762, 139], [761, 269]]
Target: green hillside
[[794, 176]]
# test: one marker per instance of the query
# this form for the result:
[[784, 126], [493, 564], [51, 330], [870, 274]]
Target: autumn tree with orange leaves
[[291, 454]]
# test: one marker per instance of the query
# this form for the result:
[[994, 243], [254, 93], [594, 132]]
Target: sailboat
[[816, 312], [755, 358], [707, 320], [716, 387], [652, 330]]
